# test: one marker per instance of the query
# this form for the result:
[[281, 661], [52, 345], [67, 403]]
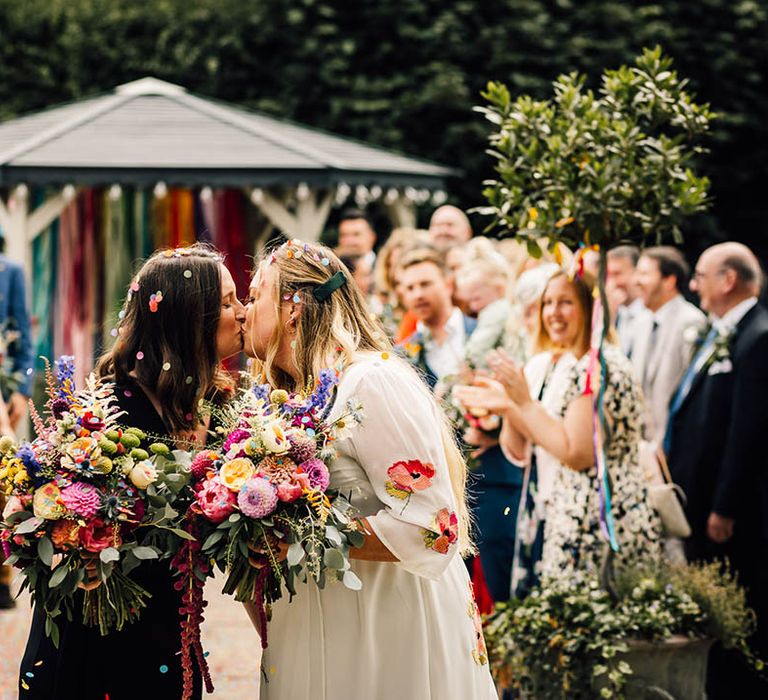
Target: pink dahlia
[[215, 500], [257, 497], [317, 473], [302, 447], [81, 499], [202, 463]]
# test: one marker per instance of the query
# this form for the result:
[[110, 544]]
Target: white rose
[[691, 334], [143, 474], [275, 438]]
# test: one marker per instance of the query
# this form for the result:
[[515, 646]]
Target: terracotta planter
[[674, 669]]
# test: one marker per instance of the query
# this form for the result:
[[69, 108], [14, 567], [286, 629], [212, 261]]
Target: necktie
[[651, 352], [685, 384]]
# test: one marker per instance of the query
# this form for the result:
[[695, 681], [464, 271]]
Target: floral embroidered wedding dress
[[412, 631]]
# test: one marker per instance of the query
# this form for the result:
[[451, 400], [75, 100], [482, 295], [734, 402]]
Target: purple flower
[[315, 469], [237, 435], [65, 373], [59, 407], [27, 455], [257, 497], [82, 499]]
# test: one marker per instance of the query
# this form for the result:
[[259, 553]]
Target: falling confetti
[[166, 366], [325, 262], [296, 298], [188, 274], [189, 380], [139, 355], [128, 393], [163, 669], [385, 356], [506, 511]]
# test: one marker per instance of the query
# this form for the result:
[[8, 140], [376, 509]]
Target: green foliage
[[567, 639], [404, 74], [598, 168]]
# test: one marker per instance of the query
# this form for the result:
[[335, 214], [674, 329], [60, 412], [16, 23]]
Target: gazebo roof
[[150, 130]]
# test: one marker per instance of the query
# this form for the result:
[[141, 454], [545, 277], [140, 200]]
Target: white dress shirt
[[730, 319], [445, 358]]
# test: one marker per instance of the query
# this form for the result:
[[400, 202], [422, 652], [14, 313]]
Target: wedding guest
[[362, 273], [626, 305], [560, 337], [717, 426], [573, 541], [664, 338], [449, 227], [357, 236], [14, 318], [437, 346], [412, 630], [392, 314], [196, 325]]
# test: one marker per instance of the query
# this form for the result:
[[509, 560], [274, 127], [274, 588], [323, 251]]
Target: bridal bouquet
[[268, 484], [85, 496]]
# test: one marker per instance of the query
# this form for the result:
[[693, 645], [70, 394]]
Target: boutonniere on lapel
[[719, 360]]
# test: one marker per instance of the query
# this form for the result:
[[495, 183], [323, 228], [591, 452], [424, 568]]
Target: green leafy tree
[[598, 168]]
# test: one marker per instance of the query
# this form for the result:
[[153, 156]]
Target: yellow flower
[[533, 214], [47, 503], [236, 472]]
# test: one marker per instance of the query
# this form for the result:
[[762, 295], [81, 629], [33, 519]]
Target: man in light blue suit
[[14, 317]]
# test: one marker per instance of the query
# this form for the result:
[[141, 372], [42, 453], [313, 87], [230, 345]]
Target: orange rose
[[65, 533]]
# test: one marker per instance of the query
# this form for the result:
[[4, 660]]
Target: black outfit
[[142, 660], [718, 456]]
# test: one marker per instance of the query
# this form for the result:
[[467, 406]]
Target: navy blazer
[[717, 453], [14, 316]]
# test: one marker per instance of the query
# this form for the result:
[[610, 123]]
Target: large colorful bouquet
[[85, 497], [268, 484]]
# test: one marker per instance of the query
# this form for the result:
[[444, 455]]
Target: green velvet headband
[[324, 290]]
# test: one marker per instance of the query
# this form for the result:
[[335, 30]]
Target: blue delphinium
[[322, 393], [65, 373], [27, 456]]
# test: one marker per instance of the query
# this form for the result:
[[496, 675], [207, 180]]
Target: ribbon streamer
[[597, 361]]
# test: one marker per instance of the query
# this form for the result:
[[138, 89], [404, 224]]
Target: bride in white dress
[[412, 631]]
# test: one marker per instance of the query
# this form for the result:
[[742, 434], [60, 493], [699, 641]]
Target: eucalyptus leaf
[[109, 554], [45, 550], [351, 580], [144, 553], [333, 535], [28, 526], [59, 574], [213, 538], [295, 554], [333, 559]]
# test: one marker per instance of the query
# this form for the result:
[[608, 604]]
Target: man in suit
[[716, 434], [14, 318], [626, 305], [665, 336]]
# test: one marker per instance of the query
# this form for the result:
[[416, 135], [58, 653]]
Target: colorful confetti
[[189, 380], [296, 298], [188, 274], [325, 262], [139, 355], [163, 669], [166, 366], [134, 286]]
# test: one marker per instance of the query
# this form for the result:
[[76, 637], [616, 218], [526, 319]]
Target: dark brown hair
[[671, 262], [174, 338]]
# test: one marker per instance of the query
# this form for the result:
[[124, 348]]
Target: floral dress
[[412, 630], [573, 542]]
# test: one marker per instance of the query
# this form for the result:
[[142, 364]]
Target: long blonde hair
[[332, 331]]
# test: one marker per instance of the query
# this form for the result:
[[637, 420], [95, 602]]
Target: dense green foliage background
[[405, 73]]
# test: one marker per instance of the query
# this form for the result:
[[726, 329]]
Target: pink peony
[[97, 535], [288, 492], [215, 500], [81, 499], [317, 473], [257, 497]]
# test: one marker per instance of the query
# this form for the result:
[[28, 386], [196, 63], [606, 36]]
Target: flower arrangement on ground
[[567, 638], [85, 499], [268, 484]]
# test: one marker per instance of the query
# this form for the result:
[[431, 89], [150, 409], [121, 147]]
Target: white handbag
[[666, 497]]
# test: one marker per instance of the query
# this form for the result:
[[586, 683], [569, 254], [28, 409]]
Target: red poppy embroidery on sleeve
[[445, 534], [406, 478], [479, 652]]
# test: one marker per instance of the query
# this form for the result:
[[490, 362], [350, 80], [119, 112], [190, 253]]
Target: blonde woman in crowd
[[562, 427]]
